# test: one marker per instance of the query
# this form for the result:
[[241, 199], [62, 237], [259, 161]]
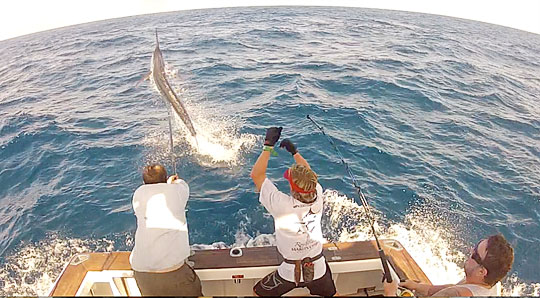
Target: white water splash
[[514, 287], [33, 269], [432, 254], [218, 140], [347, 221], [218, 144]]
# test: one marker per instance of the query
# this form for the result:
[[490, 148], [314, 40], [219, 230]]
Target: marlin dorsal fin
[[144, 78]]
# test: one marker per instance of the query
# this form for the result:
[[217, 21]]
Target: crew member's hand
[[289, 146], [272, 136], [172, 178], [390, 289], [409, 284]]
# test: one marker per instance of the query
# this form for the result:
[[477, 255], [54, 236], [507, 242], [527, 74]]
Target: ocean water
[[438, 118]]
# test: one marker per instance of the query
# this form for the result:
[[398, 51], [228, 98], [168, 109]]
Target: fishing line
[[365, 204]]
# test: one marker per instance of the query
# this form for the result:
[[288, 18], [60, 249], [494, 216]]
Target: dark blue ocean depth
[[429, 111]]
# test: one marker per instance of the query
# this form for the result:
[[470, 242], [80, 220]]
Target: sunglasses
[[476, 256]]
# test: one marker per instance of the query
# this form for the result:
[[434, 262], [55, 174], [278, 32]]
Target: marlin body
[[157, 71]]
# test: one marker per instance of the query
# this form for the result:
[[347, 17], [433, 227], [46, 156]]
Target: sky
[[20, 17]]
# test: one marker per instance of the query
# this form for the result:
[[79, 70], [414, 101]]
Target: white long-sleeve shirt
[[161, 239]]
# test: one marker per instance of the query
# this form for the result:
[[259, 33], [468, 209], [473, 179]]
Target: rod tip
[[308, 117]]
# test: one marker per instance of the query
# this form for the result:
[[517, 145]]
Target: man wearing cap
[[297, 221]]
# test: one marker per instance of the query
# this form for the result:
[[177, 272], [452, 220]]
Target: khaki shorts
[[180, 282]]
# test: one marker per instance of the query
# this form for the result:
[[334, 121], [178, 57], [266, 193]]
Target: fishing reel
[[404, 292]]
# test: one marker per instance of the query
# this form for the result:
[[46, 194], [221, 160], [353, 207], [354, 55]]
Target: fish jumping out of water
[[157, 71]]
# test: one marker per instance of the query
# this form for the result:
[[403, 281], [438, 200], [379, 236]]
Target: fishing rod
[[171, 140], [384, 260]]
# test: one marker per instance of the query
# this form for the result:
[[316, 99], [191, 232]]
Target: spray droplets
[[218, 141]]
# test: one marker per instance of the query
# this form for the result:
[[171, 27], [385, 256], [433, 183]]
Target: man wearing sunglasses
[[489, 262], [297, 221]]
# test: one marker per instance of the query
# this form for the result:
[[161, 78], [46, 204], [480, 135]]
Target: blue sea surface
[[439, 118]]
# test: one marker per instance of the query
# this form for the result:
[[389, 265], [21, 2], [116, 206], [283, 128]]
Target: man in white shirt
[[490, 260], [161, 246], [297, 220]]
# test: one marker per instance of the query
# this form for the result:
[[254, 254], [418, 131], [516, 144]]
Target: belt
[[304, 267], [306, 259]]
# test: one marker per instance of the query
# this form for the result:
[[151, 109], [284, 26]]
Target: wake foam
[[33, 268]]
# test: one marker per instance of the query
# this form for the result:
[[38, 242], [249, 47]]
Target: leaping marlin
[[157, 71]]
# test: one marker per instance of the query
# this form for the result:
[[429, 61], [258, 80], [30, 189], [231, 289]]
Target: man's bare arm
[[435, 289], [300, 160], [454, 291], [423, 289], [289, 146], [258, 173]]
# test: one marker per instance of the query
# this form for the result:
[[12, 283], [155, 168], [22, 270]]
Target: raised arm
[[300, 160], [258, 173], [289, 146]]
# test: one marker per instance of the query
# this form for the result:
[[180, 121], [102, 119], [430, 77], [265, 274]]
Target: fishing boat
[[356, 270]]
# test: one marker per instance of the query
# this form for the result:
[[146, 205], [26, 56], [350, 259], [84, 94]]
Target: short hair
[[306, 179], [499, 259], [154, 174]]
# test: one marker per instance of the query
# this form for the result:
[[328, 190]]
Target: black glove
[[289, 146], [272, 136]]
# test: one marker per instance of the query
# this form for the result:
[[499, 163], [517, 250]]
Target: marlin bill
[[157, 71]]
